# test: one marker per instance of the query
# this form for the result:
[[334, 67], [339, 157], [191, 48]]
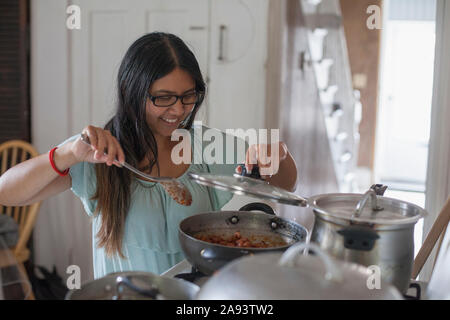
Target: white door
[[108, 28], [238, 53], [237, 61]]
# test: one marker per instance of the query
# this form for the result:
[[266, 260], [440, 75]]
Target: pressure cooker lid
[[367, 209], [248, 186]]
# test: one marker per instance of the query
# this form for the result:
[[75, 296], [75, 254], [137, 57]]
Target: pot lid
[[248, 186], [134, 285], [366, 208], [294, 276]]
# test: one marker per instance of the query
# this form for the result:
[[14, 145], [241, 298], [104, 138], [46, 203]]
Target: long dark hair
[[149, 58]]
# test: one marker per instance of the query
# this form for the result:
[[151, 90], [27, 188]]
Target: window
[[406, 88]]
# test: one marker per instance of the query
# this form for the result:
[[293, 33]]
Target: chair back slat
[[24, 156], [9, 211], [22, 219], [4, 156], [16, 214], [14, 157]]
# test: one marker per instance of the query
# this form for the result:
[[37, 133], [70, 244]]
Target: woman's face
[[164, 120]]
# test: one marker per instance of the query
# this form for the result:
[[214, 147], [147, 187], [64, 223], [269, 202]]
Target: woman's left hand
[[267, 157]]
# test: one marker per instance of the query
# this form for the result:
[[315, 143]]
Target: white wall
[[62, 235]]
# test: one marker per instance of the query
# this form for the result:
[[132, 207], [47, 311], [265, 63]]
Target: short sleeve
[[233, 150], [83, 182]]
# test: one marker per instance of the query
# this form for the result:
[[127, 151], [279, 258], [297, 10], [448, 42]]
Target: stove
[[184, 270], [194, 276]]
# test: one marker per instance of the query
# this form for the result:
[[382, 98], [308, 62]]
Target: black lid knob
[[254, 174]]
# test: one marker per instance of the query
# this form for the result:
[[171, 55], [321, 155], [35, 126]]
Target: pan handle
[[258, 206]]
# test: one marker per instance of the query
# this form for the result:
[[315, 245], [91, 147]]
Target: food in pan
[[237, 240]]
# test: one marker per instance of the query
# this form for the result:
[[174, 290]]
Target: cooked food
[[237, 240]]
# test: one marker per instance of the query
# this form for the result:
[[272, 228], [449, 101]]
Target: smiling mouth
[[169, 121]]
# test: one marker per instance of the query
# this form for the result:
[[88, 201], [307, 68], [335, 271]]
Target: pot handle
[[359, 238], [125, 281], [253, 174], [258, 206], [290, 256]]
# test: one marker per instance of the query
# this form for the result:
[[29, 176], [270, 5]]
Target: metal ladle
[[177, 190]]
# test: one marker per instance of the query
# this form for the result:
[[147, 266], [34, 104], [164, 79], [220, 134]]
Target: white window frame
[[438, 172]]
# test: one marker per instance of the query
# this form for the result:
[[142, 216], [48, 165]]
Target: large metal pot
[[135, 285], [368, 229], [291, 276], [380, 235], [208, 257]]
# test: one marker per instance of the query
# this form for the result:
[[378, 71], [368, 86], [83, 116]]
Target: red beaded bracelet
[[52, 162]]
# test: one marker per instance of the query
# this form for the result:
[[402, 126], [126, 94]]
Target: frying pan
[[208, 257]]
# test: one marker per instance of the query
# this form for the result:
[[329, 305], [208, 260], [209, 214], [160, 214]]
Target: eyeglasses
[[170, 99]]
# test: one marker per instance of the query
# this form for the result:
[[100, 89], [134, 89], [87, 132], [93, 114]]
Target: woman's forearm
[[25, 180]]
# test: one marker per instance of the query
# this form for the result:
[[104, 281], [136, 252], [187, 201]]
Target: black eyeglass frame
[[199, 98]]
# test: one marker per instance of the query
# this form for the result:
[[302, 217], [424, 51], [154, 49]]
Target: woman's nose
[[177, 109]]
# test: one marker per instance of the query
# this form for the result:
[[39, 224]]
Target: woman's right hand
[[102, 141]]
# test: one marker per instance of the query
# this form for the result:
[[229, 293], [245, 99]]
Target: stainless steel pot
[[291, 276], [135, 285], [208, 257], [368, 229], [381, 234]]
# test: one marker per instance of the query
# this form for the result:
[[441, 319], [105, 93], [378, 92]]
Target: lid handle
[[370, 194], [289, 257], [124, 280], [379, 189], [253, 174]]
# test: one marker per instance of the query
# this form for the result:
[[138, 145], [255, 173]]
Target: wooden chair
[[11, 153]]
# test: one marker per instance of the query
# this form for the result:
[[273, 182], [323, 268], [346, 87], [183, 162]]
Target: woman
[[160, 89]]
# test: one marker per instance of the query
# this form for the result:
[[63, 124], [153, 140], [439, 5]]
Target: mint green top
[[150, 240]]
